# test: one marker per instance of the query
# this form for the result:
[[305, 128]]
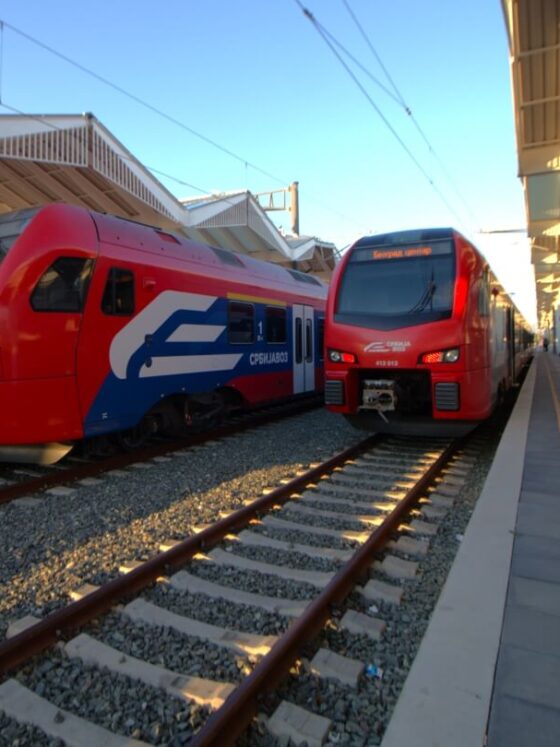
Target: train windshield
[[11, 226], [385, 287]]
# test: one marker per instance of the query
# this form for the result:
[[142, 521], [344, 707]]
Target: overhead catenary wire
[[375, 54], [143, 102], [173, 120], [226, 198], [410, 114], [309, 15], [43, 120]]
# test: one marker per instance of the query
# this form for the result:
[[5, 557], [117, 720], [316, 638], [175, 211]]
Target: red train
[[109, 326], [420, 336]]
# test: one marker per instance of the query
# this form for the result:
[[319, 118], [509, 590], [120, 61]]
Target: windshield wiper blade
[[425, 299]]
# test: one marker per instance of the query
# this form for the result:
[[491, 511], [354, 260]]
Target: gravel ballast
[[99, 527], [51, 549]]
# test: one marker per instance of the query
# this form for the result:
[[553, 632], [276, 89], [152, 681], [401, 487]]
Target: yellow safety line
[[554, 395], [256, 299]]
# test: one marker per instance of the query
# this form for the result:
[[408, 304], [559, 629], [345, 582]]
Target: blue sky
[[257, 78]]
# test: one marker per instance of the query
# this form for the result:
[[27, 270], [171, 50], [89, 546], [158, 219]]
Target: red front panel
[[387, 354], [38, 394], [39, 411]]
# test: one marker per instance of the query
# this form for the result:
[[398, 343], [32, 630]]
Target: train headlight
[[338, 356], [441, 356]]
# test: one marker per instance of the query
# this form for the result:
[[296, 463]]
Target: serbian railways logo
[[387, 346], [153, 323]]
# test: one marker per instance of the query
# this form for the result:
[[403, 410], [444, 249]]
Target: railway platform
[[488, 669]]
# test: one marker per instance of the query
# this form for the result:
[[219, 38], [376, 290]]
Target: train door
[[112, 302], [303, 349]]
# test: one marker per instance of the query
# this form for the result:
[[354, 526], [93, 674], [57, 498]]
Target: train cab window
[[390, 285], [241, 328], [275, 322], [118, 296], [63, 287]]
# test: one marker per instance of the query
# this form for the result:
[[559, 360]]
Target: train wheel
[[135, 437], [206, 411], [99, 447]]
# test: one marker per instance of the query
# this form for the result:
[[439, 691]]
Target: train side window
[[63, 287], [118, 296], [308, 340], [484, 296], [299, 340], [275, 320], [241, 328]]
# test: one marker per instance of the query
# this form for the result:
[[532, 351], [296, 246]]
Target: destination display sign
[[388, 253], [415, 251]]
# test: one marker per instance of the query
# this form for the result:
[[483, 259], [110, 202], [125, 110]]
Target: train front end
[[402, 353], [46, 259]]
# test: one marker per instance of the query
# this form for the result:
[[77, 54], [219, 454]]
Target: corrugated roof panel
[[75, 159]]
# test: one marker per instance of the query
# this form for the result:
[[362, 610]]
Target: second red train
[[421, 337]]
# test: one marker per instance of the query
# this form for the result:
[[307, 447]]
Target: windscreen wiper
[[425, 298]]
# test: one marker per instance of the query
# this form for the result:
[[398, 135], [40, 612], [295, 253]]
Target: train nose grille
[[334, 392], [447, 396]]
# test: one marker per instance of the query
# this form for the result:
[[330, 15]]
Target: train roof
[[406, 237], [150, 238], [154, 240]]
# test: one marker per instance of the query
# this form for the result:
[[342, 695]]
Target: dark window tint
[[240, 322], [11, 226], [118, 296], [63, 287], [303, 278], [228, 258], [387, 293], [299, 341], [484, 296], [321, 338], [308, 340], [275, 324]]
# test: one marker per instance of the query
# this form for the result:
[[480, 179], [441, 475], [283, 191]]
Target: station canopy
[[533, 28], [75, 159]]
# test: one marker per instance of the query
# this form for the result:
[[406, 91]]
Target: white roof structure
[[533, 28], [235, 221], [314, 255], [75, 159]]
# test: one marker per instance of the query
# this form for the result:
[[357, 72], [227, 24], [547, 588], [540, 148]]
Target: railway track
[[287, 560], [21, 481]]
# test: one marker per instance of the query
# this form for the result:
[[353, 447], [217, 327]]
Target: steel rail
[[228, 722], [38, 637], [73, 474]]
